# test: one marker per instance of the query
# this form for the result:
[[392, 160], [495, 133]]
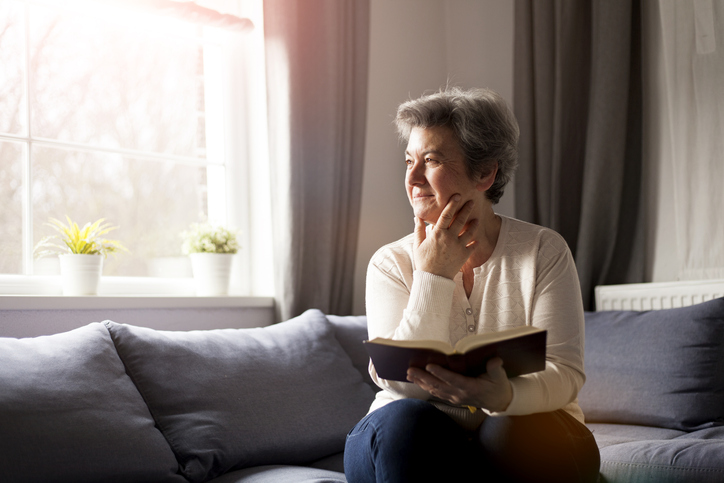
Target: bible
[[522, 349]]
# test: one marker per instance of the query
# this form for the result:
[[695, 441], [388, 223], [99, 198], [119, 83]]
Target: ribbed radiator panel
[[656, 296]]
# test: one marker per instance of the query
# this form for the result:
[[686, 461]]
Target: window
[[117, 114]]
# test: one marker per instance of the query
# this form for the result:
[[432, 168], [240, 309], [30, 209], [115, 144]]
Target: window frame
[[240, 64]]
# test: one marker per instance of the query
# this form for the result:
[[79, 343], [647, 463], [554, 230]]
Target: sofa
[[112, 402], [654, 393]]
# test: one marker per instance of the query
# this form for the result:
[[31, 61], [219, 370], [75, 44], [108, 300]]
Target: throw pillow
[[234, 398], [69, 412], [661, 368], [351, 331]]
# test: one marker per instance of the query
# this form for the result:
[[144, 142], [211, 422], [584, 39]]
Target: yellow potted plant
[[81, 252], [211, 249]]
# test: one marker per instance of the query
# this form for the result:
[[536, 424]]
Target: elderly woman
[[467, 270]]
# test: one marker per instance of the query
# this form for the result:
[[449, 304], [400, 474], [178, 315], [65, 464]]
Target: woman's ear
[[487, 178]]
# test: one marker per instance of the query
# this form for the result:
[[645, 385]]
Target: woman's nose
[[416, 173]]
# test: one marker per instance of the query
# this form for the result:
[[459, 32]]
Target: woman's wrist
[[500, 402], [431, 293], [439, 270]]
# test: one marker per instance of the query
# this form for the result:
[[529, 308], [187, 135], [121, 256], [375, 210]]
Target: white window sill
[[60, 302], [18, 292]]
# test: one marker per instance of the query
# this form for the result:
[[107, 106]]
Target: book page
[[473, 341], [437, 345]]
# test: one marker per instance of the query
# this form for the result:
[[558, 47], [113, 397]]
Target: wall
[[418, 46], [32, 316], [33, 323]]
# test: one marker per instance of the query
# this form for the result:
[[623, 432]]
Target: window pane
[[11, 213], [151, 201], [99, 82], [12, 102]]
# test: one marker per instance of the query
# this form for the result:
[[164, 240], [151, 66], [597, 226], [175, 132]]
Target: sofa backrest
[[662, 368], [114, 402], [69, 412], [351, 331]]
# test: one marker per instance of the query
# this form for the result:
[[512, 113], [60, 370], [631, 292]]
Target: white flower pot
[[80, 274], [212, 273]]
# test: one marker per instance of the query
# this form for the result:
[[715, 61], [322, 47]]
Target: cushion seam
[[664, 467], [169, 441]]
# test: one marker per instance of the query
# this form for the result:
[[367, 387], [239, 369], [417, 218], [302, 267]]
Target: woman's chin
[[427, 218], [426, 213]]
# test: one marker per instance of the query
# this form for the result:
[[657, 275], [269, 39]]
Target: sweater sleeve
[[556, 307], [404, 304]]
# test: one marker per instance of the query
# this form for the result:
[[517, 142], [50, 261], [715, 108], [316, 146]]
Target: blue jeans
[[412, 441]]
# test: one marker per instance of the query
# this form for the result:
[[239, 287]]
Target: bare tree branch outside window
[[116, 130]]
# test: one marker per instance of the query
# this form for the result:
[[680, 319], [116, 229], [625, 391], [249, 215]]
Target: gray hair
[[482, 122]]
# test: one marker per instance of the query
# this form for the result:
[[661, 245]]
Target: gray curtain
[[317, 60], [577, 96]]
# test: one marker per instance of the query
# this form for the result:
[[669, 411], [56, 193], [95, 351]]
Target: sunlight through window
[[110, 112]]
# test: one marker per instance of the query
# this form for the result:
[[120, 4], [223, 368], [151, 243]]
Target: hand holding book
[[522, 349], [491, 390]]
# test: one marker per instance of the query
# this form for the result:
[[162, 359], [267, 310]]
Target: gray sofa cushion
[[236, 398], [334, 462], [639, 453], [612, 434], [350, 332], [69, 413], [660, 368], [279, 474]]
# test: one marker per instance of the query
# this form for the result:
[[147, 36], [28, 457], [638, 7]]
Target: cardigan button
[[469, 311], [471, 328]]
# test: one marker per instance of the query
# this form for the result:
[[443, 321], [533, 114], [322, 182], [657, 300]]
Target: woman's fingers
[[461, 217], [448, 213], [490, 391], [453, 217], [447, 247], [461, 225]]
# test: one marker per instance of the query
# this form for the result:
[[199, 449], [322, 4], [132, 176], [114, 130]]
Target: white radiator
[[654, 296]]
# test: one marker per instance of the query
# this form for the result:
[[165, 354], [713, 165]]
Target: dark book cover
[[521, 355]]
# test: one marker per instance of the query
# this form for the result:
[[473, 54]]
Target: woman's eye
[[409, 162], [430, 160]]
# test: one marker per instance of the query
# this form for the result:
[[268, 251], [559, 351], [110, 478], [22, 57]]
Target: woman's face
[[435, 172]]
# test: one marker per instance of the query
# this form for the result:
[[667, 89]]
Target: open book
[[523, 350]]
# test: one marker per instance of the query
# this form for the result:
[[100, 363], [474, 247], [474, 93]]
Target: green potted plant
[[211, 249], [81, 252]]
